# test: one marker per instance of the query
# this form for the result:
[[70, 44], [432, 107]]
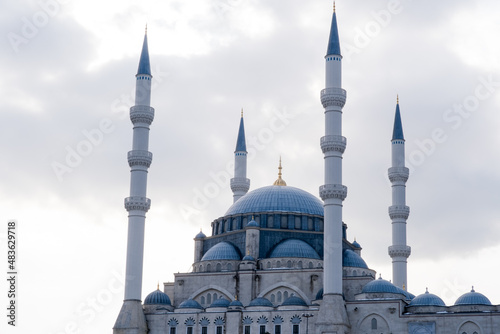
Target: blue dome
[[380, 286], [472, 298], [221, 302], [351, 259], [408, 295], [190, 303], [319, 295], [157, 297], [294, 301], [356, 244], [261, 301], [427, 299], [222, 251], [253, 223], [294, 248], [277, 199], [248, 258], [236, 303], [200, 235]]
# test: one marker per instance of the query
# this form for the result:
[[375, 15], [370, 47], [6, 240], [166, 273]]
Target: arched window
[[279, 296], [209, 267], [229, 267], [209, 299], [289, 264], [218, 267], [273, 298], [215, 297], [374, 323], [310, 265], [202, 300], [285, 295]]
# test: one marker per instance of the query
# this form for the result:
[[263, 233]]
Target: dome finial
[[241, 112], [146, 31], [397, 99], [279, 181], [158, 286], [334, 6], [472, 289]]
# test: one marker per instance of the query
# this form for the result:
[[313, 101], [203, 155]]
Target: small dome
[[294, 248], [408, 295], [248, 258], [319, 295], [294, 301], [356, 244], [236, 303], [190, 303], [261, 301], [380, 286], [427, 299], [253, 223], [200, 235], [472, 298], [221, 302], [351, 259], [221, 251], [157, 297]]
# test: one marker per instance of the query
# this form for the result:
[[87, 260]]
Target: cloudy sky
[[67, 82]]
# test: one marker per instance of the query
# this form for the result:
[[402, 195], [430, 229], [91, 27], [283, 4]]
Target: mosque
[[279, 259]]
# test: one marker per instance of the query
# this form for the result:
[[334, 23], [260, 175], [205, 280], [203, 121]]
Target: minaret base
[[131, 319], [332, 316]]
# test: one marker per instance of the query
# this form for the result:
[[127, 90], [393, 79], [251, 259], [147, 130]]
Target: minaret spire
[[332, 317], [399, 212], [279, 181], [240, 184], [131, 319]]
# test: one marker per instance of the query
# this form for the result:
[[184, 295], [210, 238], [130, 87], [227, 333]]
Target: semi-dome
[[294, 301], [427, 299], [277, 199], [380, 286], [472, 298], [222, 251], [157, 297], [221, 302], [294, 248], [351, 259], [261, 301], [190, 303]]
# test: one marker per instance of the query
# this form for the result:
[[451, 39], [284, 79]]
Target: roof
[[397, 132], [277, 199], [427, 299], [157, 297], [241, 145], [144, 66], [222, 251], [294, 301], [351, 259], [190, 303], [200, 235], [380, 286], [472, 298], [294, 248], [260, 301], [333, 40], [221, 302]]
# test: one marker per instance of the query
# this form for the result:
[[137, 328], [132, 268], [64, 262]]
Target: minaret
[[399, 212], [333, 315], [240, 184], [131, 319]]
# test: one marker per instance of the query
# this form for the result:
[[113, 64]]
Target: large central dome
[[277, 199]]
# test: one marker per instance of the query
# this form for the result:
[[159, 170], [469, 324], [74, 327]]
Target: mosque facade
[[279, 260]]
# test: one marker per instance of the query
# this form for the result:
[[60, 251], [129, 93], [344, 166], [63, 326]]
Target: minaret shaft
[[240, 184]]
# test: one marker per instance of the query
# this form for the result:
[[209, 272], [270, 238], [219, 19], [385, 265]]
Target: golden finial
[[241, 112], [279, 181], [146, 32], [334, 6], [397, 99], [158, 286], [404, 287]]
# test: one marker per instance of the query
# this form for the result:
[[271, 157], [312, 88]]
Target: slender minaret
[[240, 184], [398, 211], [131, 319], [333, 315]]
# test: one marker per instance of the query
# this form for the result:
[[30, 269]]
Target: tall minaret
[[131, 319], [240, 184], [333, 314], [399, 212]]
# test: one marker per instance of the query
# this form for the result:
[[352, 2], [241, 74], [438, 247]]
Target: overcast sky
[[67, 82]]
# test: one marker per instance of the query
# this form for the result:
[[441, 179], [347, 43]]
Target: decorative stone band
[[333, 97], [333, 143], [399, 251], [332, 191], [400, 174], [240, 184], [399, 211], [142, 114], [139, 158], [137, 203]]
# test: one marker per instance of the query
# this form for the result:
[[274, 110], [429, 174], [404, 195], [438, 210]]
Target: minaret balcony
[[399, 212], [333, 191], [333, 143], [240, 184], [333, 97], [140, 158], [137, 203], [399, 251], [142, 114], [399, 174]]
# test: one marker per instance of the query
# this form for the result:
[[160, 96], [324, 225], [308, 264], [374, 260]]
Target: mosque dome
[[294, 248], [190, 303], [157, 297], [356, 244], [380, 286], [261, 301], [221, 302], [472, 298], [253, 223], [294, 301], [351, 259], [248, 258], [277, 199], [427, 299], [236, 303], [222, 251], [200, 235]]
